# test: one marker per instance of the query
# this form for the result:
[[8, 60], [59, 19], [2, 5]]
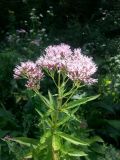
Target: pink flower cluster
[[31, 72], [75, 65], [80, 67], [55, 57]]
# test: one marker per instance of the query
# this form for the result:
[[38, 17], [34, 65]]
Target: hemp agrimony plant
[[62, 65]]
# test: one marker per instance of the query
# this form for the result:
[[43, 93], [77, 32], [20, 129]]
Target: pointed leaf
[[52, 103], [44, 99], [39, 112], [28, 155], [73, 152], [71, 91], [45, 136], [95, 139], [64, 120], [71, 115], [26, 141], [76, 153], [80, 101], [72, 139]]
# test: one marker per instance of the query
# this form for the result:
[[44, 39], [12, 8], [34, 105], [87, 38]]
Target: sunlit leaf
[[71, 115], [76, 153], [73, 152], [26, 141], [45, 136], [78, 102], [72, 139], [28, 155]]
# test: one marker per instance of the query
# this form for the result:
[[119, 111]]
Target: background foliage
[[26, 28]]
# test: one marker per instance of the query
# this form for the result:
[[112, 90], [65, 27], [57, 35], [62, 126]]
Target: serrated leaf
[[71, 115], [79, 102], [72, 139], [26, 141], [73, 152], [45, 136], [95, 139], [76, 153]]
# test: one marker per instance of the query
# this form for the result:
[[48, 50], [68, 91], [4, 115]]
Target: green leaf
[[64, 120], [45, 136], [44, 99], [39, 112], [48, 122], [62, 89], [98, 148], [114, 123], [26, 141], [71, 91], [41, 147], [28, 155], [95, 139], [67, 93], [76, 153], [56, 142], [79, 102], [72, 139], [73, 152], [71, 115], [48, 112], [52, 103]]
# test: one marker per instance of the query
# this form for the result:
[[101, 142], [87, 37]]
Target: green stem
[[71, 95], [52, 76], [55, 154], [74, 88]]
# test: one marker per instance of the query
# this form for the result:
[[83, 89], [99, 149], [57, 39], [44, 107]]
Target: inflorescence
[[60, 58]]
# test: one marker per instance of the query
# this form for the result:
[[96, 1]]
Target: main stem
[[55, 154]]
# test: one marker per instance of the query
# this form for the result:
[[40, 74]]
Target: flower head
[[81, 67], [30, 71], [55, 57], [77, 66]]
